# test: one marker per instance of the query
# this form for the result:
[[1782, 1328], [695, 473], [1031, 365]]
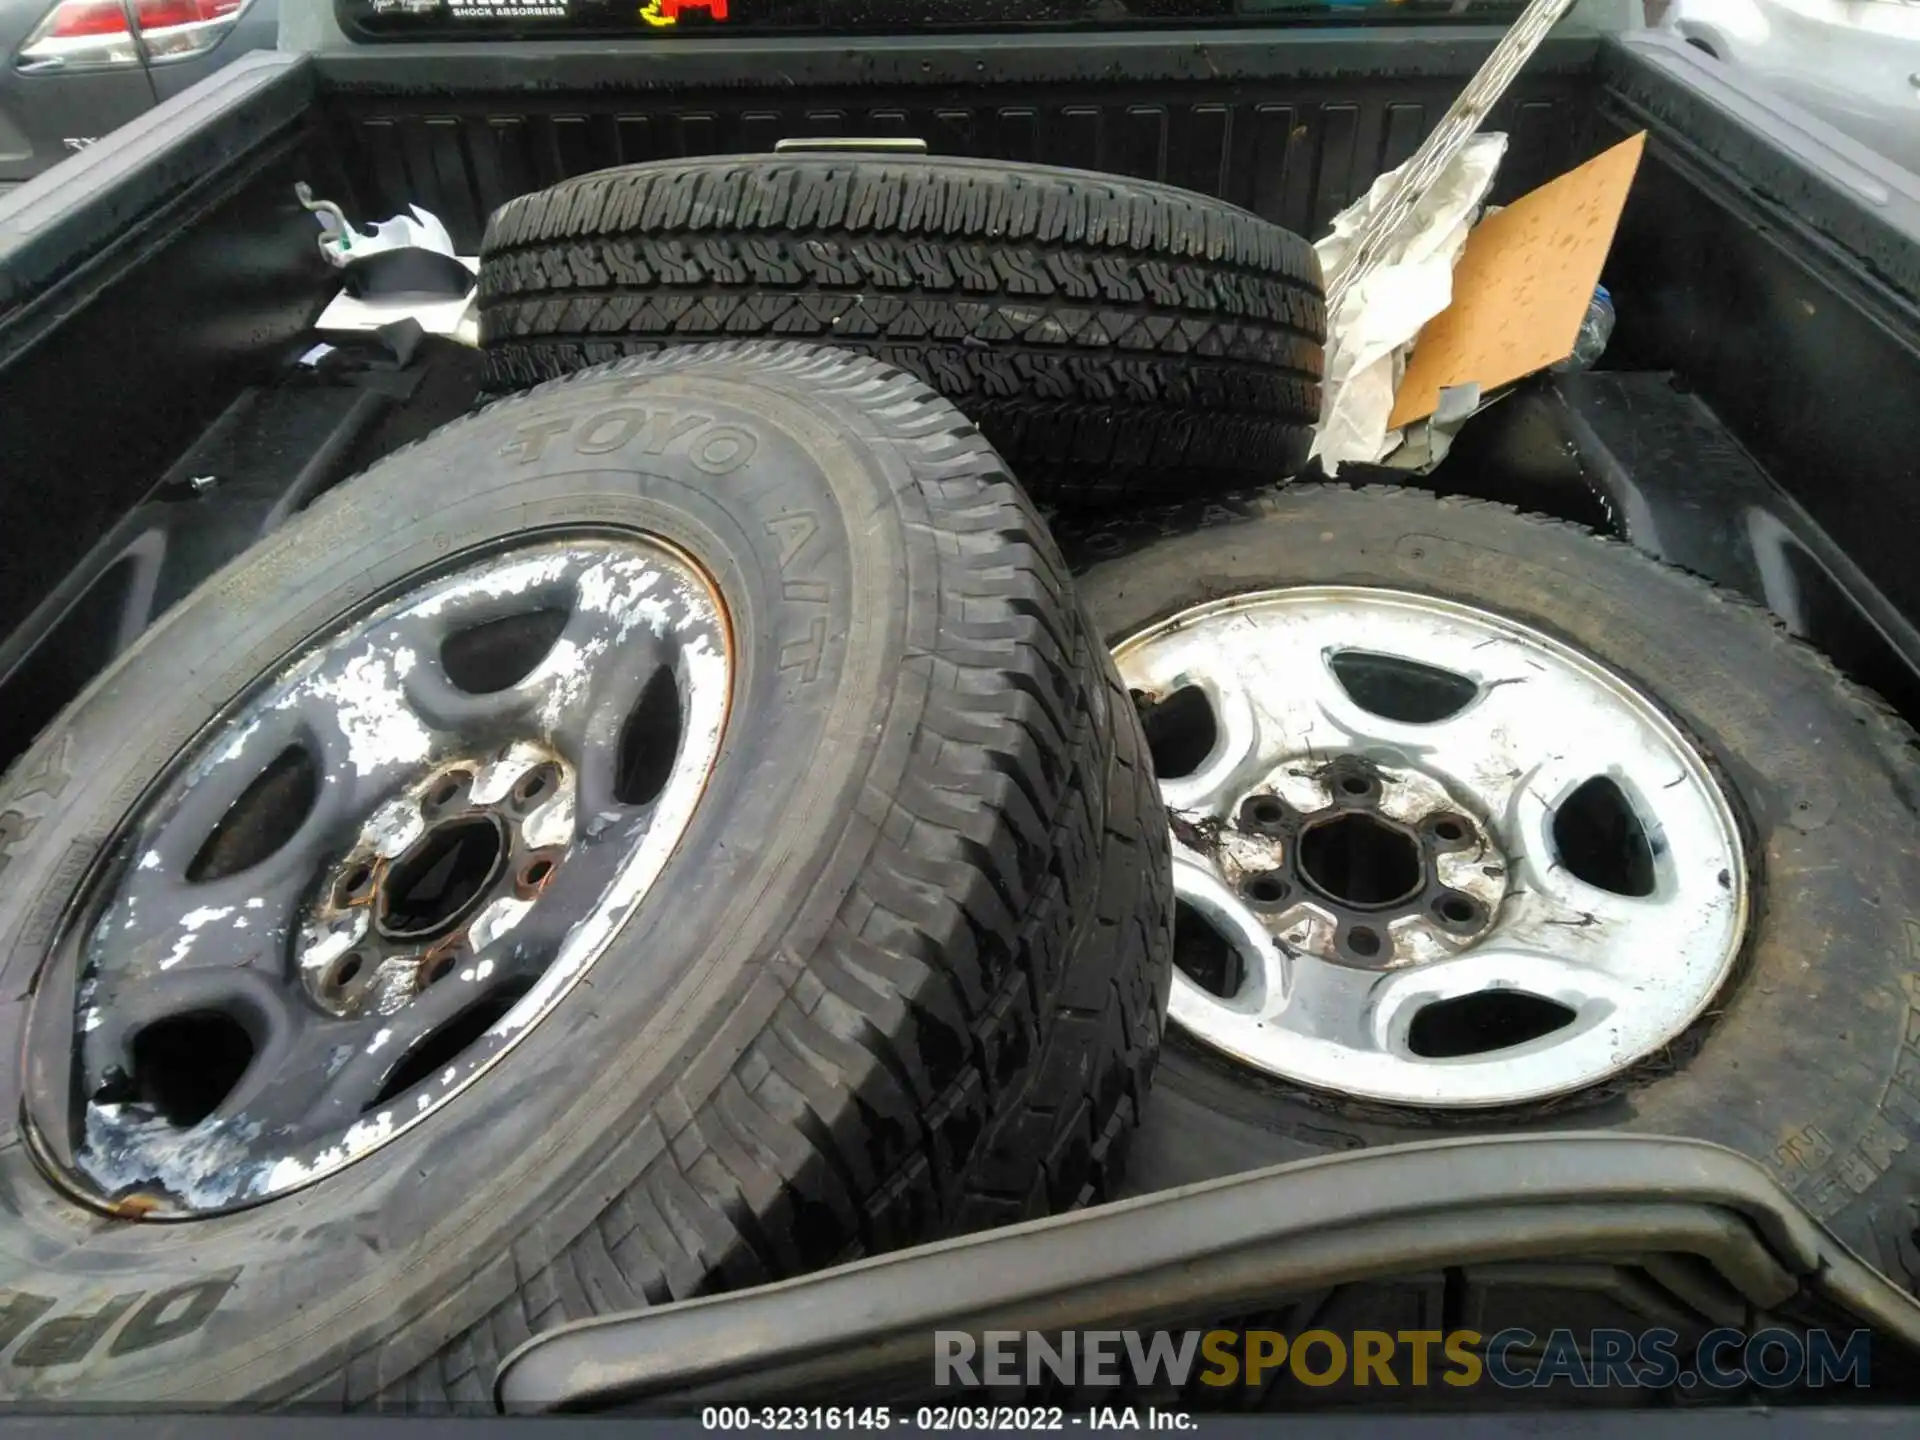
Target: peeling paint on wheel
[[315, 946]]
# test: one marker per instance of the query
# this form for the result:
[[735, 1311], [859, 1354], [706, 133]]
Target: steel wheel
[[379, 870], [1426, 854]]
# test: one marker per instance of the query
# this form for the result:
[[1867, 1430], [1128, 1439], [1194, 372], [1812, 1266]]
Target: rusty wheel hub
[[437, 876]]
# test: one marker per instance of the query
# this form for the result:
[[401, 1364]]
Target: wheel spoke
[[1265, 963], [277, 1094], [594, 725], [167, 915], [1490, 1026], [1538, 871], [1589, 993], [1308, 711], [115, 1012], [1331, 1004], [1669, 942], [160, 928], [1495, 743], [356, 1060], [188, 829], [1545, 893], [479, 670], [1238, 746]]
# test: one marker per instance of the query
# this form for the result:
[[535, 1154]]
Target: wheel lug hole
[[1355, 785], [1449, 829], [536, 873], [347, 969], [1456, 909], [1265, 813], [448, 790], [355, 885], [1268, 887], [435, 968], [1364, 940], [536, 785]]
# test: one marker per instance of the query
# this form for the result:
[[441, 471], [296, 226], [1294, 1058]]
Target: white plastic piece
[[453, 319], [342, 242], [1376, 321], [418, 229]]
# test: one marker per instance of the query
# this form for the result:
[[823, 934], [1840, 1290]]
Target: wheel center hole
[[1360, 861], [431, 888]]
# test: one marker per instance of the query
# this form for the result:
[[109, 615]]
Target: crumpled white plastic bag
[[343, 242], [1378, 319]]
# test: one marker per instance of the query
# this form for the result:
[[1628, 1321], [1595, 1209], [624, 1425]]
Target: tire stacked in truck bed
[[1124, 343], [1114, 339]]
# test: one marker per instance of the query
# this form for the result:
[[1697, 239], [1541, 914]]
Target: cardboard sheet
[[1522, 286]]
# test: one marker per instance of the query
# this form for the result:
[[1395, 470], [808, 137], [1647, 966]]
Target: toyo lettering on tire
[[668, 831], [1486, 823], [1114, 338]]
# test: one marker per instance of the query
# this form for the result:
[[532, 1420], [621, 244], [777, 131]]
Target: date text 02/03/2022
[[941, 1419]]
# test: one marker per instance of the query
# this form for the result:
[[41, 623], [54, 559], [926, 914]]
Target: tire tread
[[1113, 338]]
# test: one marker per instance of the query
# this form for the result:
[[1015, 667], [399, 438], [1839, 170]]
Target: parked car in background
[[1853, 63], [76, 69]]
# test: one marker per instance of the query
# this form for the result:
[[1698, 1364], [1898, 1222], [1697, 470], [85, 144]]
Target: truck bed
[[154, 293], [1753, 419]]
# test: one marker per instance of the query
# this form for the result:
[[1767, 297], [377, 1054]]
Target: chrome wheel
[[383, 867], [1426, 854]]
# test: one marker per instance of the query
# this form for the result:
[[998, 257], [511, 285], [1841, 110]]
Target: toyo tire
[[1802, 1054], [905, 977], [1113, 338]]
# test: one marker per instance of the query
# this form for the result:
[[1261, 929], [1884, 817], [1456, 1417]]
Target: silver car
[[1853, 63], [72, 70]]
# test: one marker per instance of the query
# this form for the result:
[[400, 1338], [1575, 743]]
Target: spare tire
[[1113, 338], [668, 831], [1490, 824]]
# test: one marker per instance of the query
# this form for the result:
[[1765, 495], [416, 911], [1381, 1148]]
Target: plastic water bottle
[[1595, 330]]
